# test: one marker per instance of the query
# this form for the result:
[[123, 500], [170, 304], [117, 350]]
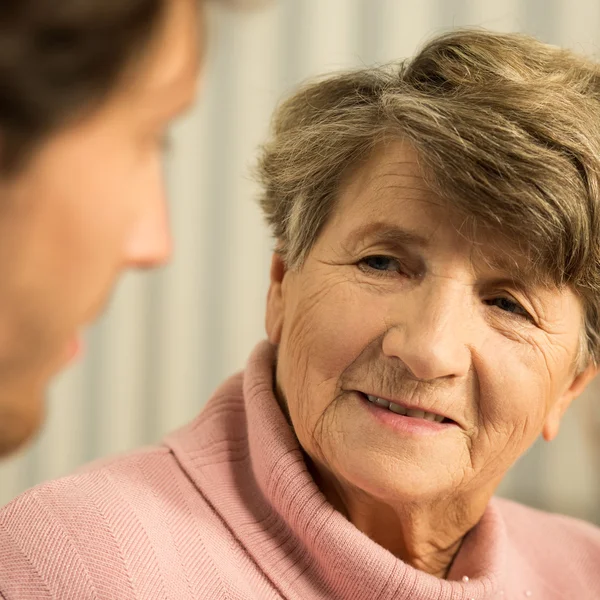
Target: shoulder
[[124, 480], [563, 549], [534, 524], [101, 531]]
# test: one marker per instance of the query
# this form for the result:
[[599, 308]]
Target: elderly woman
[[433, 309]]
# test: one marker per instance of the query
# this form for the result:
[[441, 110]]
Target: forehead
[[166, 74], [390, 176], [387, 199], [387, 192]]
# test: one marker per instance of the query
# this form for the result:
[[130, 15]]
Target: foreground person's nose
[[430, 336], [150, 244]]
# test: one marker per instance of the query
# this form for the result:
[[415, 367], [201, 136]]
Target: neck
[[424, 534]]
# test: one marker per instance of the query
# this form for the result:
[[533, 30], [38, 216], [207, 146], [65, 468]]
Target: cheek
[[70, 215], [92, 229], [326, 328], [116, 178], [331, 322], [515, 391], [79, 235], [102, 213]]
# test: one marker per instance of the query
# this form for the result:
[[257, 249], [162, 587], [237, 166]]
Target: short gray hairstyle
[[507, 131]]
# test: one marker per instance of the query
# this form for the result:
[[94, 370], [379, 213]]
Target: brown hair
[[59, 60], [507, 130]]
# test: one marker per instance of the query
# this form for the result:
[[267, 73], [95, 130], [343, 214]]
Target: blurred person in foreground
[[433, 309], [88, 89]]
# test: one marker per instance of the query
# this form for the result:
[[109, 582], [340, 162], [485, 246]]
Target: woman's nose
[[430, 336], [150, 244]]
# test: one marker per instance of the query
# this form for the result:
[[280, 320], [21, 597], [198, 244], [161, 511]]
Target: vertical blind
[[170, 337]]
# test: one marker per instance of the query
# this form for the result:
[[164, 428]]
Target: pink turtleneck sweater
[[226, 509]]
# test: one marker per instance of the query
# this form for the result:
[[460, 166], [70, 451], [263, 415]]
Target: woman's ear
[[578, 385], [275, 300]]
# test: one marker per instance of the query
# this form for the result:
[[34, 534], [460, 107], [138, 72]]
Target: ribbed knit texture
[[226, 509]]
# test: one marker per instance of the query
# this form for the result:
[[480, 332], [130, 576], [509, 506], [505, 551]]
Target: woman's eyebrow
[[386, 233], [510, 270]]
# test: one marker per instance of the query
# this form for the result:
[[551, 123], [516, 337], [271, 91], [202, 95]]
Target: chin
[[21, 417], [394, 480]]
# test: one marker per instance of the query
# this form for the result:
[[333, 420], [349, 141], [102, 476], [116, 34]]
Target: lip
[[408, 406], [402, 423], [74, 348]]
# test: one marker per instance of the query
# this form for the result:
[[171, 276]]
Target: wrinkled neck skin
[[425, 534]]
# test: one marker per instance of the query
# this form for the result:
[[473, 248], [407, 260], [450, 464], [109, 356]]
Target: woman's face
[[392, 302], [89, 204]]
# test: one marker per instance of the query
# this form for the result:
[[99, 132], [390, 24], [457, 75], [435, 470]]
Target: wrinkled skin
[[430, 321], [88, 205]]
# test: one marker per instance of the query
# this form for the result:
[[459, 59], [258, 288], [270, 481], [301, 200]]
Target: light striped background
[[169, 338]]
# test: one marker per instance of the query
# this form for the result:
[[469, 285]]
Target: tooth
[[418, 414], [439, 418], [399, 410], [381, 402], [370, 398], [429, 416]]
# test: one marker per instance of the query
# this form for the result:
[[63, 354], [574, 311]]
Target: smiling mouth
[[406, 412]]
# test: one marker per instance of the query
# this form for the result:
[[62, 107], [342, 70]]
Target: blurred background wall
[[170, 337]]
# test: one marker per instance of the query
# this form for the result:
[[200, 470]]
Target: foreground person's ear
[[578, 385], [275, 299]]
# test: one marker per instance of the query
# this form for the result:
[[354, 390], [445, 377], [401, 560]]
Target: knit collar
[[270, 502]]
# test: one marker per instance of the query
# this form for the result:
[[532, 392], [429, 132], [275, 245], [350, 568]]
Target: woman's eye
[[510, 306], [379, 263]]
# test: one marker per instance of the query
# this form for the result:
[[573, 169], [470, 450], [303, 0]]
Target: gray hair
[[507, 131]]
